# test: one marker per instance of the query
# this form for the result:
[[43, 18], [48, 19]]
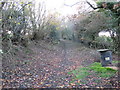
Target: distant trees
[[88, 26], [112, 10], [55, 26], [21, 22], [38, 20], [104, 18]]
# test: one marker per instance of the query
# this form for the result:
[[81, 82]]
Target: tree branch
[[72, 4], [91, 5], [2, 4]]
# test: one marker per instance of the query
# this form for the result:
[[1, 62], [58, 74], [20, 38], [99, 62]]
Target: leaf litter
[[47, 68]]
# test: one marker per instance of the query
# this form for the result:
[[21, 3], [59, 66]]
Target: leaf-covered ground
[[44, 65]]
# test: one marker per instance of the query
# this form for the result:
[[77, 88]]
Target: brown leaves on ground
[[47, 66]]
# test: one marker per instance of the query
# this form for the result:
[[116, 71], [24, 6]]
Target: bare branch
[[2, 4], [92, 5], [72, 4]]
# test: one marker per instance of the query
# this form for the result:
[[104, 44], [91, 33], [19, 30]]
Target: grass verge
[[94, 69]]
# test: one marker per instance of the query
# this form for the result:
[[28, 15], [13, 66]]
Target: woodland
[[39, 49]]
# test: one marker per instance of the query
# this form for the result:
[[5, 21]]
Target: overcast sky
[[64, 6]]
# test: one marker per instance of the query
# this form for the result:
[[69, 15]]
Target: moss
[[102, 71], [94, 68], [80, 73], [115, 61]]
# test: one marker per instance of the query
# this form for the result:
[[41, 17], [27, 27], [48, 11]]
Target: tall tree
[[112, 10]]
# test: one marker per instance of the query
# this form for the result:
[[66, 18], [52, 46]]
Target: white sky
[[104, 34], [58, 5]]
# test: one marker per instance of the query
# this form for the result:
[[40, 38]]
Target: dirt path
[[49, 65]]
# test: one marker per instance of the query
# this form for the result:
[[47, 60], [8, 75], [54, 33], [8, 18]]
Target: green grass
[[81, 73], [94, 68], [115, 61], [102, 71]]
